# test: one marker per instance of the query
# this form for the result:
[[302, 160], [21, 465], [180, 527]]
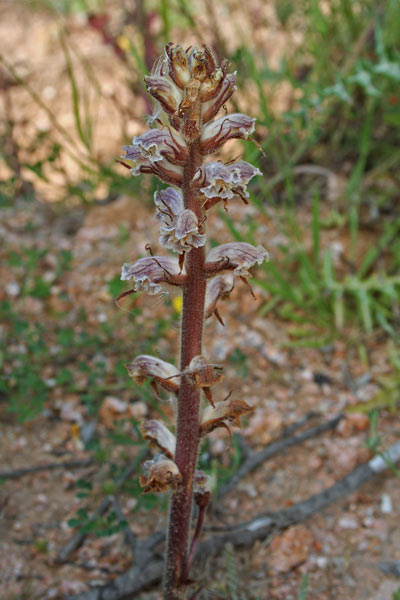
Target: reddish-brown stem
[[196, 537], [187, 436]]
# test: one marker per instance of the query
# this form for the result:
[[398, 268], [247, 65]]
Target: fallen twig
[[256, 458], [129, 535], [68, 464], [262, 526]]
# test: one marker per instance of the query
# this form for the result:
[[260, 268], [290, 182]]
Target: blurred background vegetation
[[323, 80]]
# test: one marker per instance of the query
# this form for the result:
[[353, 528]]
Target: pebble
[[348, 522], [386, 504]]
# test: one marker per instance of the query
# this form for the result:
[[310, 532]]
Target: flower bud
[[162, 88], [217, 132], [179, 70], [202, 489], [159, 437], [160, 475], [225, 91]]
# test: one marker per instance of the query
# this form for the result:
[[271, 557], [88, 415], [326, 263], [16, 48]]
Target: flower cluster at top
[[189, 88]]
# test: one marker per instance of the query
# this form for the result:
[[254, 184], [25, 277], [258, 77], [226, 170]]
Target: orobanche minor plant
[[190, 89]]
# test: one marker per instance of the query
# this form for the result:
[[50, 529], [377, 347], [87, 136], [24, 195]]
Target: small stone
[[322, 562], [291, 548], [348, 522], [386, 504]]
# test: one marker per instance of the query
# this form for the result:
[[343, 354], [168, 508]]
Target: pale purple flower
[[218, 180], [154, 146], [180, 228], [240, 254], [147, 273], [217, 132], [169, 204]]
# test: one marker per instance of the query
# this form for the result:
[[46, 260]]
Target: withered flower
[[159, 437], [147, 273], [228, 411], [204, 375], [160, 475], [219, 287], [158, 371]]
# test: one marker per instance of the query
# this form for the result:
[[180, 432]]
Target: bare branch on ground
[[148, 572]]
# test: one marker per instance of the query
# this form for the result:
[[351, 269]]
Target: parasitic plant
[[190, 89]]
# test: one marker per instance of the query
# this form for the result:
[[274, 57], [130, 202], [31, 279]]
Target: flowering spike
[[190, 88]]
